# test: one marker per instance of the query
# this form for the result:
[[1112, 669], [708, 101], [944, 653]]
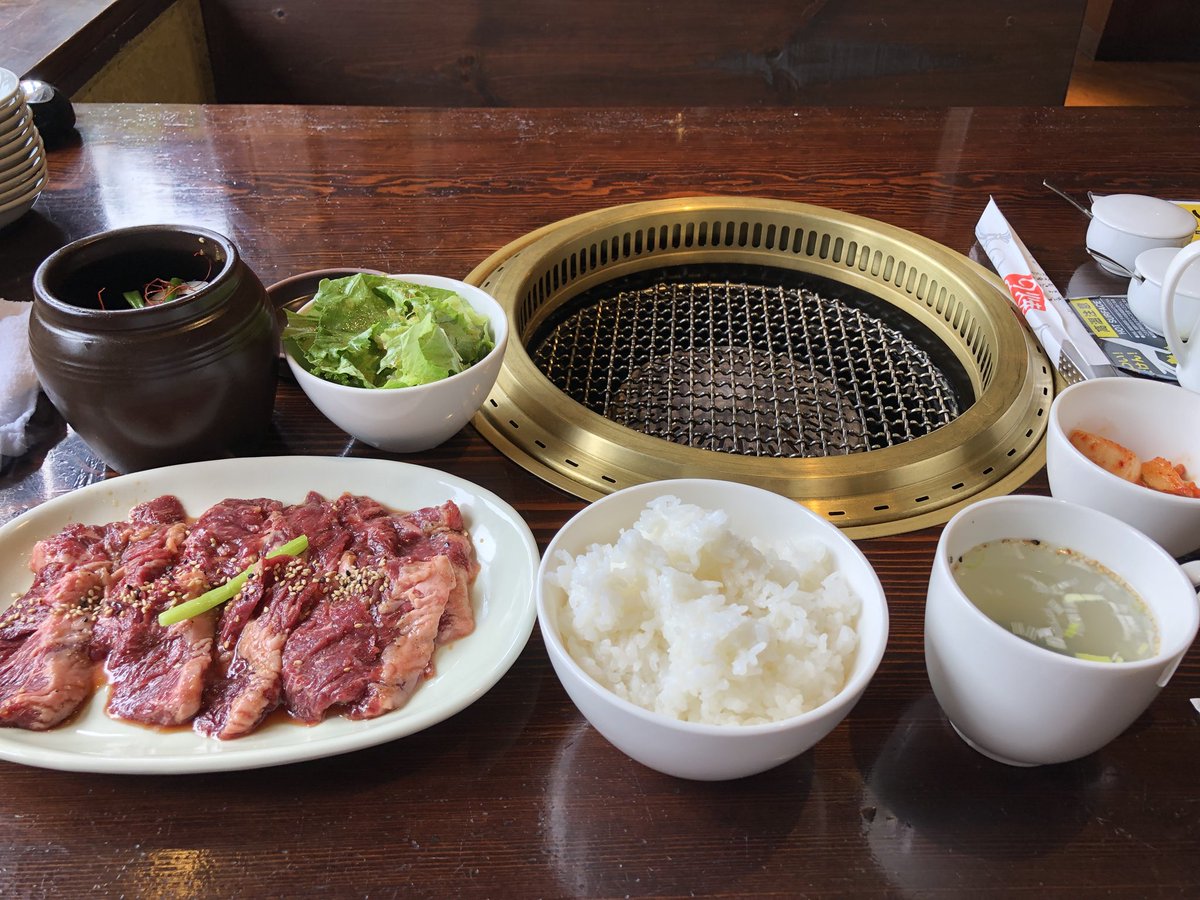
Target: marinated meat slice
[[19, 621], [327, 660], [441, 533], [228, 536], [432, 519], [458, 619], [156, 674], [69, 569], [51, 674], [360, 651], [46, 672], [407, 618], [422, 535], [81, 588], [164, 510], [316, 520], [377, 535], [148, 554], [75, 547], [150, 550], [285, 588]]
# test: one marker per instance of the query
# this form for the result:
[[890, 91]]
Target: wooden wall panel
[[1165, 30], [67, 42], [634, 52], [166, 62]]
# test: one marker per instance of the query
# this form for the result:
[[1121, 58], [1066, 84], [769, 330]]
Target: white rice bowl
[[698, 749], [685, 617]]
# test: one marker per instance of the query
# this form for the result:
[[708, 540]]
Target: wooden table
[[517, 795]]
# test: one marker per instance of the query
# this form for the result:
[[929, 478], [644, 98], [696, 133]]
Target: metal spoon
[[1075, 203], [1108, 263]]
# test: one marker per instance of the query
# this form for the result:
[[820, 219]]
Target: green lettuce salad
[[374, 331]]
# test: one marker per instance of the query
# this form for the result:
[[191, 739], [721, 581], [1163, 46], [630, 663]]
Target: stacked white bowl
[[22, 156]]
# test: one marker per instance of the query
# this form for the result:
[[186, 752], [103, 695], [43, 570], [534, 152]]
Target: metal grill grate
[[750, 369]]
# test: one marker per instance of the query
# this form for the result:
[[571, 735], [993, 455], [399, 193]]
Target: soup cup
[[1023, 704]]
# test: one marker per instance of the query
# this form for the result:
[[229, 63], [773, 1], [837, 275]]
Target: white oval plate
[[466, 669]]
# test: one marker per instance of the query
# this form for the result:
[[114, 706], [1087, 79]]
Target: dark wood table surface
[[517, 795]]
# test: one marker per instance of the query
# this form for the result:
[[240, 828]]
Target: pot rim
[[42, 294]]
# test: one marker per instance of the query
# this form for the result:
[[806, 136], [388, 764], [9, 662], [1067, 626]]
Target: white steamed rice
[[686, 618]]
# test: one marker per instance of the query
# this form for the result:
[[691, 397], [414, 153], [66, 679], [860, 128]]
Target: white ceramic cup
[[1187, 360], [1022, 704], [1149, 418], [1145, 292]]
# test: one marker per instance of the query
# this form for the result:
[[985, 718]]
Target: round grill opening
[[751, 361], [877, 377]]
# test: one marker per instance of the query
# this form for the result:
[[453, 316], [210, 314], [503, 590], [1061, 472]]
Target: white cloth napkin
[[18, 382]]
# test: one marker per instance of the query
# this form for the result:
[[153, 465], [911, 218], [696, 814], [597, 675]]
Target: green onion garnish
[[228, 590]]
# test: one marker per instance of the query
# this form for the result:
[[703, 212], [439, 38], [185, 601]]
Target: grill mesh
[[744, 368]]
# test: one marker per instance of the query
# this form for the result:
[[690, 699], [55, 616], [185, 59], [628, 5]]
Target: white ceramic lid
[[1152, 265], [1144, 216]]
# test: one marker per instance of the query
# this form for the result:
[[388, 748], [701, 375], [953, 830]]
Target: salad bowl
[[397, 416]]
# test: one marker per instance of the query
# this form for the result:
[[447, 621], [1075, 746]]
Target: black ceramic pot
[[189, 379]]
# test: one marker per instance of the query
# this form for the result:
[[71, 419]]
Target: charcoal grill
[[874, 375]]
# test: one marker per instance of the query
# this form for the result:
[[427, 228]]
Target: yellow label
[[1192, 206], [1093, 318], [1132, 360]]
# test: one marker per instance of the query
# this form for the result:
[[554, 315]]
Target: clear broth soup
[[1057, 599]]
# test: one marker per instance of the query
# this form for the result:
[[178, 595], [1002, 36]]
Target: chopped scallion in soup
[[1058, 599]]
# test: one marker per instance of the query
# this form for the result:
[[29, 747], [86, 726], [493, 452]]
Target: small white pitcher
[[1187, 357]]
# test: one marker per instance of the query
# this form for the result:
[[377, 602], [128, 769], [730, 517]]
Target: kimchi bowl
[[1149, 420]]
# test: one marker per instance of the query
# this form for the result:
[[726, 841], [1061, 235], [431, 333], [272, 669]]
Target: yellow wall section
[[167, 63]]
